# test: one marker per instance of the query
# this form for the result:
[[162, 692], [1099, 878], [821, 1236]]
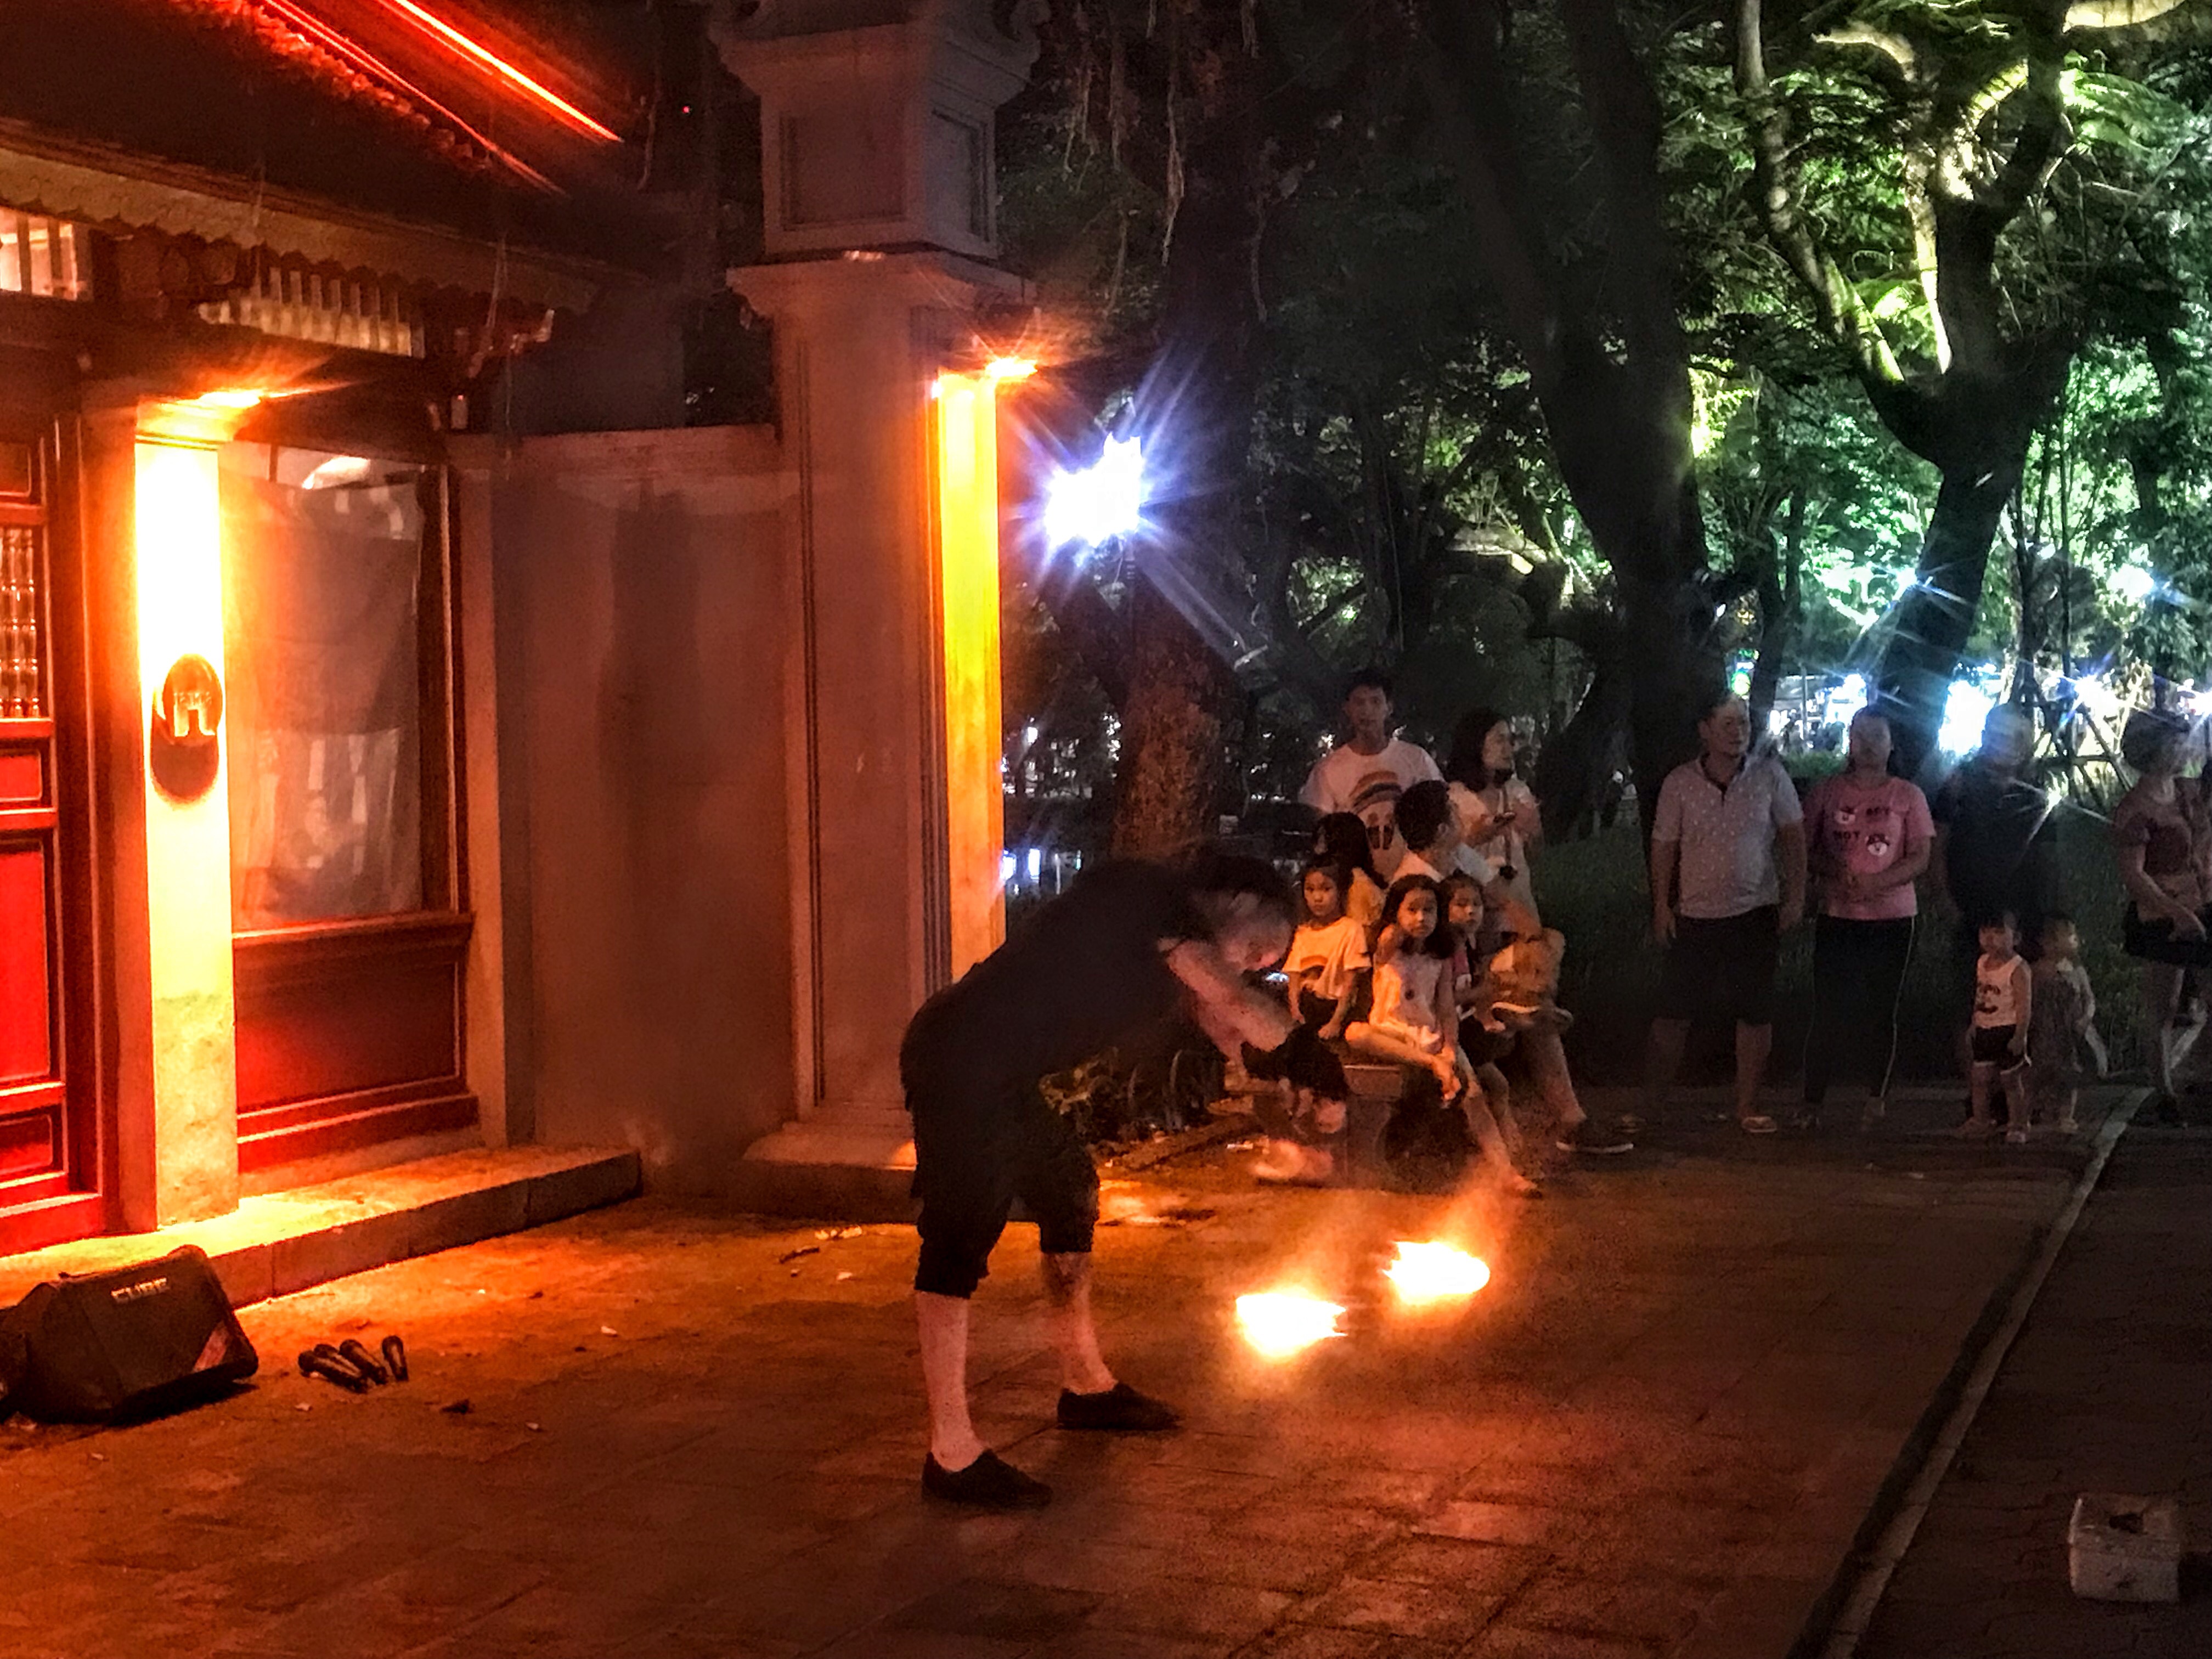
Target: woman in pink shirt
[[1869, 836]]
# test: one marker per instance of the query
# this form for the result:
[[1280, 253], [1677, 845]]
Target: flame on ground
[[1279, 1323], [1435, 1271]]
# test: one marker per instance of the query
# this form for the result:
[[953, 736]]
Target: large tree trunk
[[1198, 404], [1575, 765], [1614, 387], [1936, 614], [1172, 737]]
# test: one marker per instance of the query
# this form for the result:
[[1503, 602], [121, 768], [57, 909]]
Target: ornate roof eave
[[105, 187]]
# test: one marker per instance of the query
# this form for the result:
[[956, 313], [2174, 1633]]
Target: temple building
[[498, 589]]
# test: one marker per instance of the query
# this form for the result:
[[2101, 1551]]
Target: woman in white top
[[1499, 817]]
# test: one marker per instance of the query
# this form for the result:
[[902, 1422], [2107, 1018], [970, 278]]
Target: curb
[[1841, 1617]]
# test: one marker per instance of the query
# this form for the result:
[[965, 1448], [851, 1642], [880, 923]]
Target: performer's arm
[[1243, 1024], [1228, 1010]]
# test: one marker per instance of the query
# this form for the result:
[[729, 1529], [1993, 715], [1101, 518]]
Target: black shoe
[[2167, 1109], [1587, 1137], [988, 1483], [1120, 1409]]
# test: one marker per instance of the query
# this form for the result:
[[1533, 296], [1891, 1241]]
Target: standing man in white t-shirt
[[1367, 774], [1728, 880]]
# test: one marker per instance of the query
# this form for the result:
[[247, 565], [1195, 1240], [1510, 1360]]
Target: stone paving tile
[[1440, 1613], [1503, 1641], [2093, 1397], [1646, 1608], [1651, 1430]]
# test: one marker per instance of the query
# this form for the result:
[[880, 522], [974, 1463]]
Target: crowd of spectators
[[1421, 874]]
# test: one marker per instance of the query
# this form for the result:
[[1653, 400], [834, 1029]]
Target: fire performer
[[1126, 948]]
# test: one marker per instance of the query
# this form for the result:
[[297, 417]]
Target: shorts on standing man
[[1728, 894]]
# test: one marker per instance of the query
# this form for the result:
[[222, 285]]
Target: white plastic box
[[2123, 1548]]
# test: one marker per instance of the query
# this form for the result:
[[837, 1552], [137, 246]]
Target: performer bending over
[[1125, 948]]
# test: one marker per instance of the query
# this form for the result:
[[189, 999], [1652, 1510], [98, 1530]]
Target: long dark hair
[[1465, 767], [1439, 943], [1342, 838]]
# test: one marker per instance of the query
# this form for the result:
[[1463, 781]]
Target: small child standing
[[1327, 961], [1415, 1019], [2004, 1006], [2062, 1032]]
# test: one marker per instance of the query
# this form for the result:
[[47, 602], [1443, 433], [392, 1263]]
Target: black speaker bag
[[128, 1343]]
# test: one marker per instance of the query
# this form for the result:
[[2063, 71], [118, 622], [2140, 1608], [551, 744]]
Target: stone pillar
[[161, 577], [876, 140]]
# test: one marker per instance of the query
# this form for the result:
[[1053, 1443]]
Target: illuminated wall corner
[[177, 545], [966, 409]]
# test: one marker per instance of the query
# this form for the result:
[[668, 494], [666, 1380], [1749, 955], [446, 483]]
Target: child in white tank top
[[2003, 1003]]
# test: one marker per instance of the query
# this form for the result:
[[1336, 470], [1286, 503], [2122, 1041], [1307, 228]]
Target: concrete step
[[837, 1166], [284, 1241]]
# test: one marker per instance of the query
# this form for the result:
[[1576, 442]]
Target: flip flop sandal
[[356, 1354], [313, 1363], [395, 1357], [1758, 1124]]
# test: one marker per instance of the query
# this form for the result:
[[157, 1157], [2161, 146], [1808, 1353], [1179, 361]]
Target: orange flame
[[1435, 1272], [1279, 1323]]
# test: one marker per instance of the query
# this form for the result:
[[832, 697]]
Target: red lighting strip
[[370, 64], [499, 66]]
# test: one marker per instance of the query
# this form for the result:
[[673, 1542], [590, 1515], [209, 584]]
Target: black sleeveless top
[[1084, 973]]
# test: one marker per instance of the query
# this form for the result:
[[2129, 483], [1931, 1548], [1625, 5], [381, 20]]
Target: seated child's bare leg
[[1499, 1094], [1482, 1124], [1388, 1045]]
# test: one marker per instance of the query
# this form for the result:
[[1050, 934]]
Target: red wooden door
[[50, 1146]]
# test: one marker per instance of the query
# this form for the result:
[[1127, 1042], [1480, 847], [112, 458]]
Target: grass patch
[[1593, 890]]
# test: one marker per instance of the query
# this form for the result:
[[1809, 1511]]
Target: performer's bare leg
[[942, 1321], [1067, 1285]]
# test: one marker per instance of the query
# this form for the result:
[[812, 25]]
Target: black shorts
[[2154, 941], [980, 1142], [1723, 968], [1992, 1046]]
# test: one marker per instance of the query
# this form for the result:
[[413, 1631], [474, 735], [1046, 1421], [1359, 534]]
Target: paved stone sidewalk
[[2108, 1389], [1655, 1434]]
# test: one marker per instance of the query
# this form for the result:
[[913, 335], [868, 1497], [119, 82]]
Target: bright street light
[[1099, 502]]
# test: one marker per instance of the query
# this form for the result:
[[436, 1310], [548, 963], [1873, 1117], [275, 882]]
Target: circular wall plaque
[[182, 746]]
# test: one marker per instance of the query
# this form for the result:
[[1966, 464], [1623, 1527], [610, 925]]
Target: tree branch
[[2118, 14], [1895, 47], [1835, 300]]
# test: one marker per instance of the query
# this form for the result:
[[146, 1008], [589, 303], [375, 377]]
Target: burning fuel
[[1436, 1272], [1279, 1323]]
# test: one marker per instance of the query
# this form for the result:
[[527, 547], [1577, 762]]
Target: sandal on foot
[[1758, 1124], [988, 1483], [1118, 1410]]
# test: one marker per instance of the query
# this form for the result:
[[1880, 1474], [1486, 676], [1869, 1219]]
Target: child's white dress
[[1406, 999]]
